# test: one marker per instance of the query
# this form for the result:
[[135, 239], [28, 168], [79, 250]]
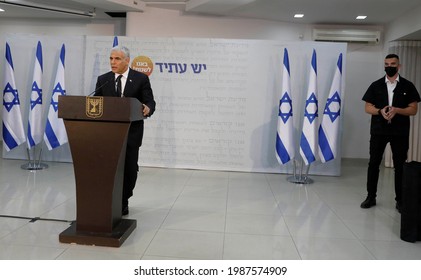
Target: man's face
[[391, 67], [391, 62], [118, 62]]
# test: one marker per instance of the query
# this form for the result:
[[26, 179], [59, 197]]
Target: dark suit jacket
[[137, 86], [404, 94]]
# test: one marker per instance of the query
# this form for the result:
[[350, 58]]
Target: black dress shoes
[[368, 202], [125, 211], [125, 207]]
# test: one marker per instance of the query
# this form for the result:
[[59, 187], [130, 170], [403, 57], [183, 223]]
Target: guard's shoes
[[368, 202], [398, 206]]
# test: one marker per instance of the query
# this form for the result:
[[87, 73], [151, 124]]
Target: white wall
[[58, 28], [167, 23], [364, 63], [404, 25]]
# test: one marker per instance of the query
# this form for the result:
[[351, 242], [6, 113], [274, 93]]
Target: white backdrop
[[217, 99]]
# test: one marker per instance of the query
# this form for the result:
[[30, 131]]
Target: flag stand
[[34, 164], [300, 178]]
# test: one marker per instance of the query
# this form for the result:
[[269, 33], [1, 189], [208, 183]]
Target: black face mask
[[391, 71]]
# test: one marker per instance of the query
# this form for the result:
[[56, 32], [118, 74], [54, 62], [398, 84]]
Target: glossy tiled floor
[[192, 214]]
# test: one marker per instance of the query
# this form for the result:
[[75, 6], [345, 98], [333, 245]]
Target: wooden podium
[[97, 129]]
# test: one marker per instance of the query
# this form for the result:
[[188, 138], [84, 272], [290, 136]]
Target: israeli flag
[[285, 128], [35, 129], [13, 131], [329, 127], [115, 42], [308, 141], [55, 132]]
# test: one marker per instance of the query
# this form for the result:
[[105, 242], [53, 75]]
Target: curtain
[[409, 53]]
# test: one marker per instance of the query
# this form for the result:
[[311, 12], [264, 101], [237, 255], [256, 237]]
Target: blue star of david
[[9, 90], [285, 100], [37, 93], [54, 100], [311, 116], [332, 114]]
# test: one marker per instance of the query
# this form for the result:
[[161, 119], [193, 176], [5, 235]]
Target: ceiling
[[341, 12]]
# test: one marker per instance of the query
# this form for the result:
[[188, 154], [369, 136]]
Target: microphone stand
[[96, 89]]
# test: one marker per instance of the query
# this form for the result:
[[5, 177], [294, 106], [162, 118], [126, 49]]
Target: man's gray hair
[[123, 49]]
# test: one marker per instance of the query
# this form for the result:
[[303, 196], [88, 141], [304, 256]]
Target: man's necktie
[[118, 86]]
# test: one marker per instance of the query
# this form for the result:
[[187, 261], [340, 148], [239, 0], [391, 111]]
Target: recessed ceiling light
[[299, 15], [361, 17], [1, 10]]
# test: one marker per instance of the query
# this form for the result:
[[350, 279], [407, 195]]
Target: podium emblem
[[94, 106]]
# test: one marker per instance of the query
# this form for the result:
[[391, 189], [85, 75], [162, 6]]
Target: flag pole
[[34, 134], [34, 165], [293, 178], [13, 131], [301, 170], [295, 169], [306, 179], [41, 164], [28, 165], [308, 145], [300, 179]]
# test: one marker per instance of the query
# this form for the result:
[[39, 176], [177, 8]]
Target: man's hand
[[390, 112], [146, 110]]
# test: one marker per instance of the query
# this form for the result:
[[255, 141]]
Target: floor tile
[[256, 224], [267, 206], [318, 226], [187, 244], [28, 252], [195, 220], [77, 253], [187, 214], [394, 250], [259, 247], [316, 248]]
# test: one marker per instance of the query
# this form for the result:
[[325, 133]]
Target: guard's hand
[[390, 113], [146, 110]]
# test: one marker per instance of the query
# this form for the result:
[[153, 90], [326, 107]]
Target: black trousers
[[399, 145], [131, 167]]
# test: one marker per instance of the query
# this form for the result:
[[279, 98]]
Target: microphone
[[106, 82]]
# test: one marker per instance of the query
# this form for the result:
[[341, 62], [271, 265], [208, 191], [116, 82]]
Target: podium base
[[114, 239]]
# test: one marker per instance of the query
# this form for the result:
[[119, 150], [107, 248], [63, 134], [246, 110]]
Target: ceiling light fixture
[[31, 5], [299, 15], [166, 2], [361, 17]]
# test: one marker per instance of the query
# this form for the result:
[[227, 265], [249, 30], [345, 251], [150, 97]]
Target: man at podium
[[125, 82]]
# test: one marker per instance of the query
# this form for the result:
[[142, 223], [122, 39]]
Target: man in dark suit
[[125, 82], [390, 101]]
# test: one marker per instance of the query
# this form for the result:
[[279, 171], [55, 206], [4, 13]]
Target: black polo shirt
[[404, 94]]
